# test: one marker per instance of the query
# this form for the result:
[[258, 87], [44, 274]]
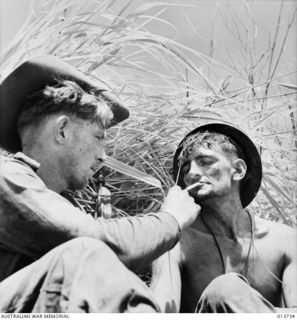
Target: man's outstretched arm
[[34, 220]]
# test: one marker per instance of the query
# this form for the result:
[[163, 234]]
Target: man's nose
[[101, 155], [194, 174]]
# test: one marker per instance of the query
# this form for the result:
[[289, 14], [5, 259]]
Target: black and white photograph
[[148, 158]]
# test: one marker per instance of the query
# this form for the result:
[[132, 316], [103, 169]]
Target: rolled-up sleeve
[[34, 219]]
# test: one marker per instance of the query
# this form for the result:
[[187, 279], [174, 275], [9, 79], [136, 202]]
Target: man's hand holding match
[[181, 206]]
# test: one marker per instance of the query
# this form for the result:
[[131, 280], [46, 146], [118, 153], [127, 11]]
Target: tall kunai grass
[[169, 94]]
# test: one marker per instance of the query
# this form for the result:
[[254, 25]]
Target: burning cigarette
[[192, 186]]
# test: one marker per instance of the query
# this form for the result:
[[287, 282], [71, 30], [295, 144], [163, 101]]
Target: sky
[[195, 24], [13, 13], [12, 16]]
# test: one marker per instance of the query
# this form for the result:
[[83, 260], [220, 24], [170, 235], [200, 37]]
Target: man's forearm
[[139, 240], [35, 219]]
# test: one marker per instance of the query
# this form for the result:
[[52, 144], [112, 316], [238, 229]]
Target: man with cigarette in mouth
[[53, 256], [228, 260]]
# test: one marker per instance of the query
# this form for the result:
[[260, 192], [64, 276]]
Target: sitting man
[[53, 256], [228, 260]]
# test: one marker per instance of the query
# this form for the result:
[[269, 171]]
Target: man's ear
[[239, 169], [61, 127]]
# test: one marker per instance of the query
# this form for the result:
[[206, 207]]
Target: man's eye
[[185, 168], [206, 162]]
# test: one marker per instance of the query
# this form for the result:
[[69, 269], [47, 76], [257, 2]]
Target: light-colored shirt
[[35, 219]]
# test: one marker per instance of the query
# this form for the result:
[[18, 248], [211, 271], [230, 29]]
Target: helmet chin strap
[[178, 172]]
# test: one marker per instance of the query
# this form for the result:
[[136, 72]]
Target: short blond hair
[[65, 97]]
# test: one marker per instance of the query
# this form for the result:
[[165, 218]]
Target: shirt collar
[[29, 161]]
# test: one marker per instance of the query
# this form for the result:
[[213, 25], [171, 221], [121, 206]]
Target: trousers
[[231, 293], [81, 275]]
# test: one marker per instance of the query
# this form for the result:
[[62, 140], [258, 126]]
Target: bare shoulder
[[277, 234], [279, 228]]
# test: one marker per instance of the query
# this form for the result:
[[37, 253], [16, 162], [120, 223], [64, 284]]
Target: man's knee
[[83, 250], [81, 245], [232, 293], [225, 287]]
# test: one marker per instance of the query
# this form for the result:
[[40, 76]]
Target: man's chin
[[201, 197], [199, 200]]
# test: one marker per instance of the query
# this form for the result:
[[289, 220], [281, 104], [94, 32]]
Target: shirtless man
[[228, 260]]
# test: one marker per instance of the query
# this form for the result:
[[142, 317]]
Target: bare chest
[[203, 261]]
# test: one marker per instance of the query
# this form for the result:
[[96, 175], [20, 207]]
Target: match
[[192, 186]]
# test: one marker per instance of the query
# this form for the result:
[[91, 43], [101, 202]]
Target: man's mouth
[[198, 183], [194, 185], [194, 188]]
